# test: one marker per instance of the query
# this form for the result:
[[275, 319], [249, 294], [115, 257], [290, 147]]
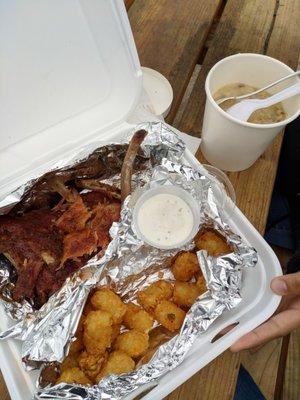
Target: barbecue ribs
[[47, 245]]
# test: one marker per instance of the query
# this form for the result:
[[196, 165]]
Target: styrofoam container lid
[[69, 71]]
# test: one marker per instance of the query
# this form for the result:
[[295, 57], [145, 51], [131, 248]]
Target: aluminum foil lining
[[137, 265], [46, 333], [37, 329], [223, 276]]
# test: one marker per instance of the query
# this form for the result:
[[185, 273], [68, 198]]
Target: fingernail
[[279, 286]]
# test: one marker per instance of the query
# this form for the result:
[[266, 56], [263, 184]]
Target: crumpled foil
[[47, 332], [223, 275], [160, 142], [137, 265]]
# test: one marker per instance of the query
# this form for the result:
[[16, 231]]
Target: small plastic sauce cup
[[175, 191]]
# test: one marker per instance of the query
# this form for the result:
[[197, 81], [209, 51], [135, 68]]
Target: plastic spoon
[[245, 96], [245, 108]]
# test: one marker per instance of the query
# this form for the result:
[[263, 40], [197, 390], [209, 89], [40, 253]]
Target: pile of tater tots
[[113, 337]]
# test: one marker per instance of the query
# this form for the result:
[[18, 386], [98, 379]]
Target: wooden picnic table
[[183, 39]]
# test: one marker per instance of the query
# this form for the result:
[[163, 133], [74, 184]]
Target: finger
[[284, 304], [287, 284], [277, 326]]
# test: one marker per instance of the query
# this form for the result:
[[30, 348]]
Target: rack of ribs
[[47, 244]]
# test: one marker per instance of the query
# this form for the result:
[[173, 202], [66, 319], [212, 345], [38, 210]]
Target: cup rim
[[233, 119]]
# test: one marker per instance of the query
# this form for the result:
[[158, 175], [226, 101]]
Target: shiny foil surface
[[129, 265], [46, 332]]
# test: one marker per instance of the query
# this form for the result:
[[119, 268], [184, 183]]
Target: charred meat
[[127, 167], [46, 245], [63, 221]]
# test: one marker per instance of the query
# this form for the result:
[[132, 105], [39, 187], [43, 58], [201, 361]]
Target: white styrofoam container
[[70, 75], [257, 305]]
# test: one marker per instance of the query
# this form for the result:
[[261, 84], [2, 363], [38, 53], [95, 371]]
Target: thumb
[[287, 284]]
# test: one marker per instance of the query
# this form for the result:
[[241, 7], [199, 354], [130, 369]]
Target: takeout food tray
[[257, 305], [81, 91]]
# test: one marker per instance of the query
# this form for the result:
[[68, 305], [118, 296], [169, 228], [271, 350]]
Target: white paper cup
[[234, 145]]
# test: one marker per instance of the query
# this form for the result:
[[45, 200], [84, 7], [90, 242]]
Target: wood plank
[[186, 95], [4, 395], [199, 387], [249, 28], [170, 35], [281, 367], [291, 387], [128, 4], [284, 43], [241, 29]]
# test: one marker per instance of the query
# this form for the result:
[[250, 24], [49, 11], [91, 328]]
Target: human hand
[[285, 320]]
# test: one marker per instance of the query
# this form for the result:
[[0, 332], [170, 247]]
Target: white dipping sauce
[[165, 220]]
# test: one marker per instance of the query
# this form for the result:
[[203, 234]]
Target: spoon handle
[[282, 95], [245, 96]]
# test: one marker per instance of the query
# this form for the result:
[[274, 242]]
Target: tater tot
[[118, 363], [131, 308], [91, 364], [133, 343], [107, 300], [185, 293], [96, 346], [157, 337], [212, 242], [79, 329], [88, 308], [76, 346], [201, 284], [169, 315], [95, 321], [97, 331], [115, 332], [153, 294], [184, 266], [69, 362], [74, 375], [137, 318]]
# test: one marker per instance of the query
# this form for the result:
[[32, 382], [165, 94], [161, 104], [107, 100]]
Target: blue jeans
[[246, 388], [279, 230]]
